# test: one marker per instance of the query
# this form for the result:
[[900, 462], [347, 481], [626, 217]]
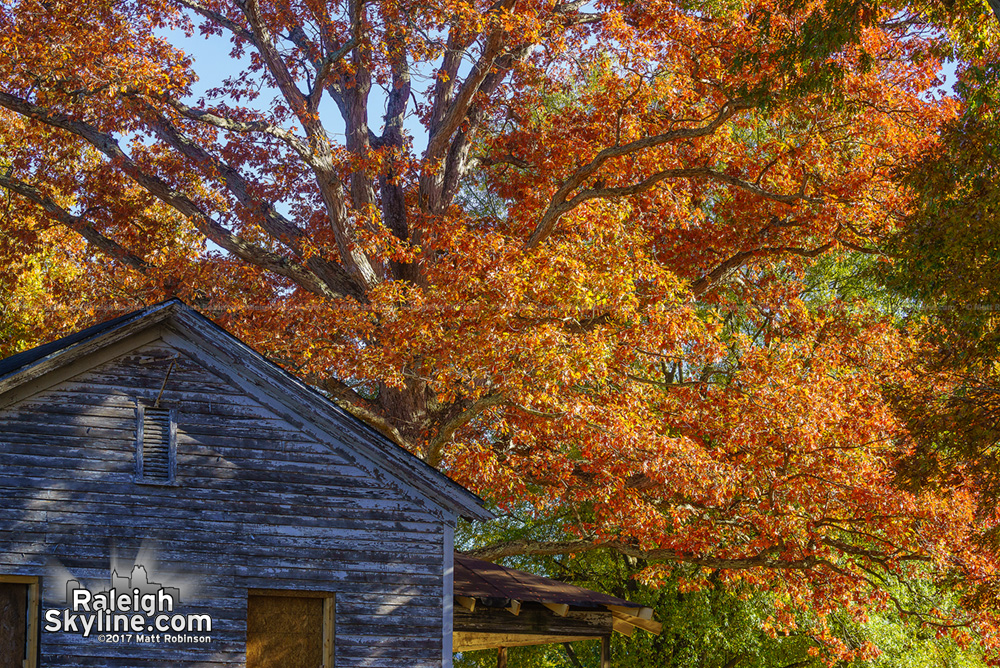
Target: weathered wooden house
[[168, 497]]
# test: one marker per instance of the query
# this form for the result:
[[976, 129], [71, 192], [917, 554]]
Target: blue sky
[[213, 64]]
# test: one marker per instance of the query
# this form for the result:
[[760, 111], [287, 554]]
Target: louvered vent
[[156, 445]]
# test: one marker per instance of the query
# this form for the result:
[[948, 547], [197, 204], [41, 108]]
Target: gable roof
[[305, 401]]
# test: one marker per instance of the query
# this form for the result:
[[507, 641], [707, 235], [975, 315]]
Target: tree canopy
[[569, 252]]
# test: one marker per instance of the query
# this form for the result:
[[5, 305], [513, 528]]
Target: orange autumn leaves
[[568, 253]]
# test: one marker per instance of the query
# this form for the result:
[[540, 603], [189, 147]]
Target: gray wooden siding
[[257, 504]]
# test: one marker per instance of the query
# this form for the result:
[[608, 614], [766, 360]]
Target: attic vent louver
[[155, 445]]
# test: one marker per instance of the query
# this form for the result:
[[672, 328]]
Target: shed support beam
[[606, 652], [561, 609], [502, 657]]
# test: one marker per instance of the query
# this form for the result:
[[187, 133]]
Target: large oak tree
[[561, 250]]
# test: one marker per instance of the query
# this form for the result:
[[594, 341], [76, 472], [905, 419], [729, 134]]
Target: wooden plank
[[623, 627], [329, 620], [446, 615], [571, 653], [34, 601], [640, 612], [533, 620], [650, 625], [469, 642], [294, 593]]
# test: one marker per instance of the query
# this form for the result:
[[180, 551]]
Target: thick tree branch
[[349, 400], [394, 213], [435, 448], [333, 85], [763, 559], [263, 40], [356, 94], [560, 202], [457, 162], [324, 70], [647, 184], [451, 109], [444, 85], [232, 125], [724, 269], [78, 224], [438, 142], [156, 186], [768, 558], [356, 263], [276, 225]]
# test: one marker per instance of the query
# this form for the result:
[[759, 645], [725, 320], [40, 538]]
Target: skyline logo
[[150, 597], [133, 609]]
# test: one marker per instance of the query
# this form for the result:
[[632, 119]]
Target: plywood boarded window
[[155, 445], [18, 622], [289, 629]]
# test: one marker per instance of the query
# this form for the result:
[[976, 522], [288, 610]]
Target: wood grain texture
[[259, 503]]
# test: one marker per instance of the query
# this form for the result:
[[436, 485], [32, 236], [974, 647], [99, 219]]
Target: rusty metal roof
[[483, 579], [496, 585]]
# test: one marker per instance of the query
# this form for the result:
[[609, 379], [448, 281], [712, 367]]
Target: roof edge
[[36, 362], [424, 476]]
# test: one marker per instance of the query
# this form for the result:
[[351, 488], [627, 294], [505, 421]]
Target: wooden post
[[502, 657], [606, 652]]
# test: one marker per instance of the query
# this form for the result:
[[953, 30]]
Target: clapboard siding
[[258, 503]]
